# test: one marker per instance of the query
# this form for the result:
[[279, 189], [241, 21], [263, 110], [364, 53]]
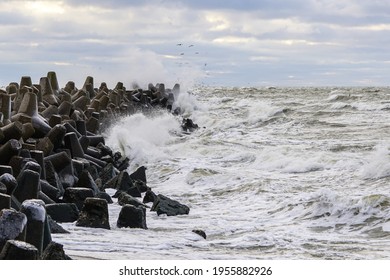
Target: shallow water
[[285, 173]]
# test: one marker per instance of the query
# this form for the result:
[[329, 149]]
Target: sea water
[[272, 173]]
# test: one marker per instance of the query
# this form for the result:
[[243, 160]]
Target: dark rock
[[28, 185], [107, 159], [39, 157], [10, 183], [188, 125], [93, 170], [72, 143], [139, 174], [5, 201], [86, 181], [132, 217], [111, 184], [5, 169], [12, 130], [59, 160], [200, 232], [84, 142], [107, 173], [81, 128], [122, 164], [124, 198], [8, 150], [56, 135], [149, 196], [134, 191], [12, 226], [52, 178], [32, 165], [124, 182], [63, 212], [52, 192], [55, 227], [170, 207], [141, 186], [45, 145], [105, 196], [95, 140], [19, 250], [93, 152], [77, 195], [79, 165], [3, 188], [42, 196], [35, 212], [17, 163], [67, 176], [105, 150], [54, 251], [97, 162], [94, 214]]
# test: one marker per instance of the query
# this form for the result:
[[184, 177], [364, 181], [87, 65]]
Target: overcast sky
[[226, 42]]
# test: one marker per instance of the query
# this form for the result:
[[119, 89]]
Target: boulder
[[132, 217], [52, 192], [28, 185], [55, 227], [188, 125], [9, 182], [72, 143], [3, 188], [77, 196], [55, 251], [105, 196], [141, 186], [8, 150], [19, 250], [107, 173], [63, 212], [149, 196], [53, 179], [125, 198], [67, 176], [12, 226], [124, 182], [139, 174], [94, 214], [5, 201], [86, 181], [170, 207], [5, 169], [35, 212]]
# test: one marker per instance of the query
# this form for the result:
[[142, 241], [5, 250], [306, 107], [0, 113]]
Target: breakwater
[[55, 166]]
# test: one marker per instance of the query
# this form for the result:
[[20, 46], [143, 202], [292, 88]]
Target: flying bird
[[179, 44], [190, 46]]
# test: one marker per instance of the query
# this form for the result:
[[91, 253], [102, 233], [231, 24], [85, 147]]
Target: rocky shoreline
[[55, 166]]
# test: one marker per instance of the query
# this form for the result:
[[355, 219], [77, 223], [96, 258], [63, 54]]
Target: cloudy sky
[[226, 42]]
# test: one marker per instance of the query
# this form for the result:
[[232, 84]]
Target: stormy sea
[[271, 173]]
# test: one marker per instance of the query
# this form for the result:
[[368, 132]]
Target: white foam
[[377, 164], [187, 103], [143, 138]]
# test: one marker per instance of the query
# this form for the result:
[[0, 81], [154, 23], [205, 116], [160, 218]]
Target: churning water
[[277, 173]]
